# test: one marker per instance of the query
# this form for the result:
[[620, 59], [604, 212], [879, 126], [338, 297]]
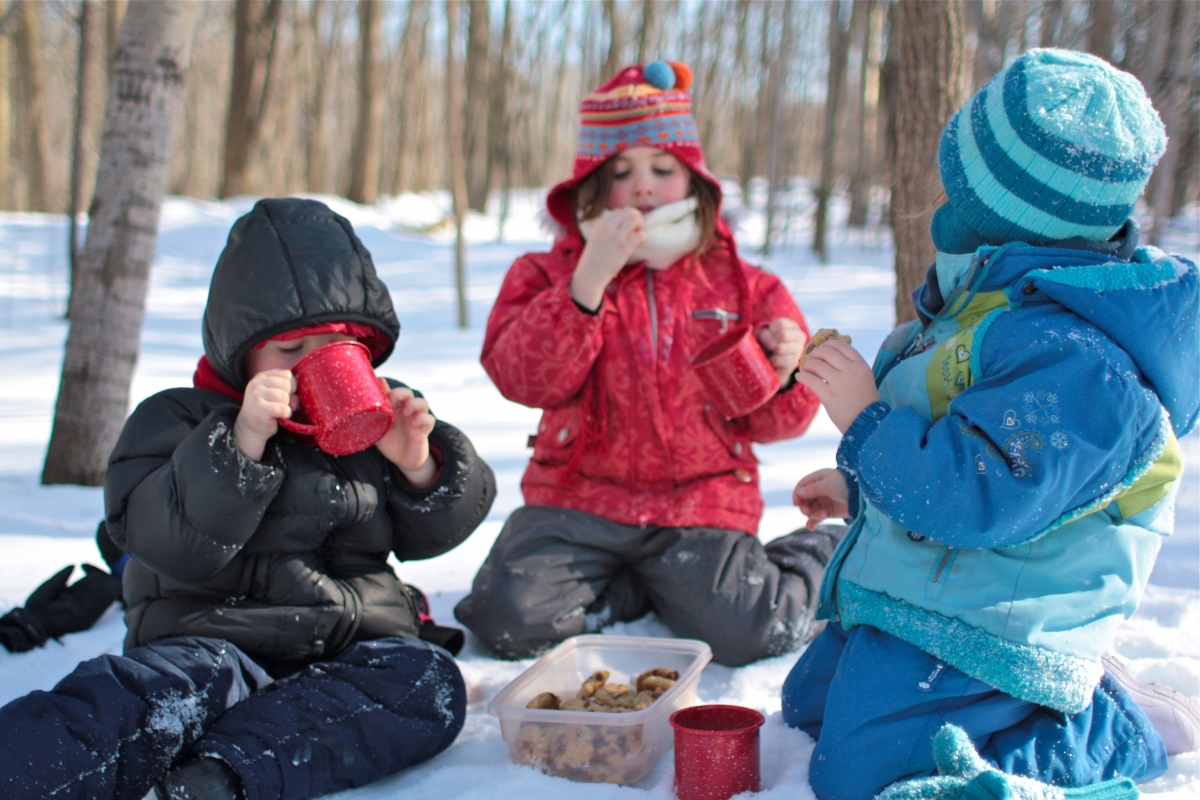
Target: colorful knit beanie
[[642, 106], [1059, 145]]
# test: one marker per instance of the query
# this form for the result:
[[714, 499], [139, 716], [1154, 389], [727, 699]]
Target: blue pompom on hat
[[1058, 145]]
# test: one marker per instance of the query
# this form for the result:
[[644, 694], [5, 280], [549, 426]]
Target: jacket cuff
[[849, 451], [852, 494]]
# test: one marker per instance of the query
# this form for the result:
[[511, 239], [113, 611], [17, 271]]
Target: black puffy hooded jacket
[[285, 557]]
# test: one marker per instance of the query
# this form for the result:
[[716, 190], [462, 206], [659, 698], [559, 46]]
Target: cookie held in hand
[[819, 338]]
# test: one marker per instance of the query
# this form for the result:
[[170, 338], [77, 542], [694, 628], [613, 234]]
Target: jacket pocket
[[730, 434], [557, 432]]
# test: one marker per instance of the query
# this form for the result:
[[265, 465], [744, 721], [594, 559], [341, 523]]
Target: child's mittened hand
[[784, 341], [406, 444], [821, 495], [842, 380], [613, 239], [270, 396]]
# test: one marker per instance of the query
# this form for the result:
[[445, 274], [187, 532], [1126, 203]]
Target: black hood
[[290, 263]]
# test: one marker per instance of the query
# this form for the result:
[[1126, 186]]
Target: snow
[[43, 528]]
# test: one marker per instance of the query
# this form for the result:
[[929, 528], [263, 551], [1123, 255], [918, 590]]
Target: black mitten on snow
[[55, 608]]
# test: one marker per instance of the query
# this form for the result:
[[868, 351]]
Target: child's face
[[284, 355], [646, 178]]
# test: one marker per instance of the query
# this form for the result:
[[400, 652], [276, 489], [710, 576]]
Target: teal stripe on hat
[[1060, 195], [1084, 152], [1077, 185], [990, 208]]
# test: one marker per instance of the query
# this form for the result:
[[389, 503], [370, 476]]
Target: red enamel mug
[[346, 408], [736, 372], [716, 752]]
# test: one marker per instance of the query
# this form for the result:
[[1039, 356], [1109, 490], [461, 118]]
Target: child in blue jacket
[[1010, 465]]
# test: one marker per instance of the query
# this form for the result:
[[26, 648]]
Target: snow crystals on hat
[[1058, 145]]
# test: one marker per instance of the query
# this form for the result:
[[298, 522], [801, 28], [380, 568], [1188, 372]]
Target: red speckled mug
[[342, 398], [716, 752], [736, 372]]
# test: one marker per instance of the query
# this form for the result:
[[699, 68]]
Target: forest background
[[372, 98]]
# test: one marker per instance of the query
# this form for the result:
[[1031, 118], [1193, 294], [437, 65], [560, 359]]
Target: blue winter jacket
[[1019, 472]]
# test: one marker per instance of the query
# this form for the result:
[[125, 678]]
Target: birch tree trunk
[[458, 178], [91, 80], [839, 47], [253, 56], [930, 79], [774, 157], [364, 172], [865, 131], [37, 153], [145, 99]]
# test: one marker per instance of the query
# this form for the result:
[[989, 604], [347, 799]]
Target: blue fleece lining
[[1056, 680], [1140, 467], [1113, 277]]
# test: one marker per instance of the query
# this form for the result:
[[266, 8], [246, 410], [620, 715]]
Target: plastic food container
[[597, 746]]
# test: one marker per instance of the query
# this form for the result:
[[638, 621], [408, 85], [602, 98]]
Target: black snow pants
[[116, 725], [556, 572]]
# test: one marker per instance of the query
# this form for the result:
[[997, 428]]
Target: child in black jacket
[[271, 651]]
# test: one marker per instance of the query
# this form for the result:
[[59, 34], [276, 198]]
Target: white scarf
[[671, 232]]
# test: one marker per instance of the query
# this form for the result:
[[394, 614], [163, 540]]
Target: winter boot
[[963, 775], [1173, 716], [199, 778]]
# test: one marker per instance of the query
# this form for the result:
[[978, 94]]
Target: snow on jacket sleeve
[[539, 346], [429, 522], [790, 411], [1054, 424], [181, 497]]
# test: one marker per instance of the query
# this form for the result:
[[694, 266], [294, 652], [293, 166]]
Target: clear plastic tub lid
[[564, 669]]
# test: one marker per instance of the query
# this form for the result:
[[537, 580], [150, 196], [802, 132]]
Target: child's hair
[[591, 198]]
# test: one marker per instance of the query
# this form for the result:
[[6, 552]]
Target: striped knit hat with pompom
[[1059, 145], [642, 106]]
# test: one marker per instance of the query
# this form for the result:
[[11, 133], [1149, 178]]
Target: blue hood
[[1148, 302]]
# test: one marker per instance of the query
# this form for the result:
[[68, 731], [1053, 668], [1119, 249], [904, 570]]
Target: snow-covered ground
[[43, 528]]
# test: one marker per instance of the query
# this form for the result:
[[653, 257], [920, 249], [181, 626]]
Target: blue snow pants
[[114, 726], [873, 703]]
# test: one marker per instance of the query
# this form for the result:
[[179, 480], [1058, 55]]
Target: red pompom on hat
[[642, 106]]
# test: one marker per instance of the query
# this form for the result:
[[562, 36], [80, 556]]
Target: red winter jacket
[[627, 433]]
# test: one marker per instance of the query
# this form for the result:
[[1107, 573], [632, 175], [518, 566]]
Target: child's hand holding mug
[[614, 237], [842, 380], [406, 444], [821, 495], [270, 396], [784, 341]]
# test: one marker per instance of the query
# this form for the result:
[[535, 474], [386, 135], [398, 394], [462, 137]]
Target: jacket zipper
[[653, 313], [941, 567], [914, 346]]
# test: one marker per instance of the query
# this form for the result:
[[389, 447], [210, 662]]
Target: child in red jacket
[[640, 495]]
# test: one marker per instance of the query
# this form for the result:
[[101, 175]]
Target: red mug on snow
[[736, 372], [340, 395], [716, 752]]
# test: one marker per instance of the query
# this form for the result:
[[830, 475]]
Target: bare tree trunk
[[364, 173], [499, 122], [6, 189], [839, 47], [775, 177], [1052, 21], [615, 41], [929, 89], [458, 178], [145, 100], [1187, 168], [1174, 93], [479, 39], [114, 12], [90, 83], [1100, 28], [255, 24], [646, 35], [29, 55], [865, 133], [410, 125]]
